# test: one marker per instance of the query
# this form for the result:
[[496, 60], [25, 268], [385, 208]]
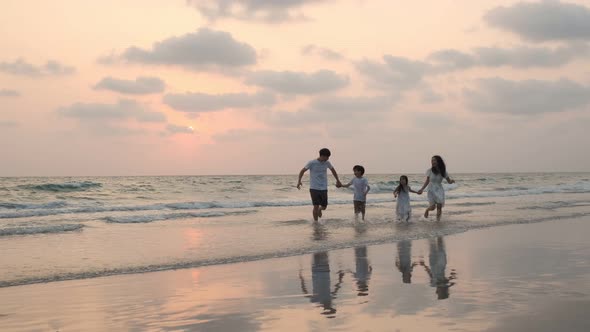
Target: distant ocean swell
[[20, 210], [377, 187], [60, 187]]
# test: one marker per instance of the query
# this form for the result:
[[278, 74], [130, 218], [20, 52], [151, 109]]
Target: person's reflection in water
[[404, 260], [320, 280], [363, 271], [360, 228], [438, 263], [319, 232]]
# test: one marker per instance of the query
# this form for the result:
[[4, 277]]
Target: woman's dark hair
[[400, 187], [359, 168], [440, 168]]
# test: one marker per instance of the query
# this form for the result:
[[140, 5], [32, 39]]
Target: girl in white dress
[[436, 192], [403, 210]]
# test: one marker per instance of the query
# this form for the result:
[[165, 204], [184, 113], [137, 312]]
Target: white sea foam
[[170, 216], [33, 206], [40, 229]]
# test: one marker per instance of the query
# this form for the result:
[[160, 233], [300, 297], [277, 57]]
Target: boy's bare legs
[[438, 211], [322, 208], [363, 214], [430, 208]]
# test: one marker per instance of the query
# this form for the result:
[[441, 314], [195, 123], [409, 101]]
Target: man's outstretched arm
[[299, 184]]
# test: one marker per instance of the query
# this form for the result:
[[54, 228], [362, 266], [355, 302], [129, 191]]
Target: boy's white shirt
[[360, 188]]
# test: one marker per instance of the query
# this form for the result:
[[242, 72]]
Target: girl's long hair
[[400, 187], [440, 168]]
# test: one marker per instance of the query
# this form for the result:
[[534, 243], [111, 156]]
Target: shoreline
[[138, 270], [502, 271]]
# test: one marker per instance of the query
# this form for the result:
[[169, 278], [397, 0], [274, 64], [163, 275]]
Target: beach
[[533, 277]]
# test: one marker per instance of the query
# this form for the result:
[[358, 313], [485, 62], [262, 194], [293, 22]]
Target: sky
[[198, 87]]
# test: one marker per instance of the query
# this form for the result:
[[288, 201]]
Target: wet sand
[[533, 277]]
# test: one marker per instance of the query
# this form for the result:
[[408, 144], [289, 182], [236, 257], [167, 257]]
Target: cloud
[[9, 93], [395, 72], [434, 120], [524, 57], [8, 124], [294, 83], [449, 59], [141, 85], [429, 96], [205, 49], [268, 11], [497, 95], [323, 52], [344, 105], [333, 110], [125, 109], [22, 68], [175, 129], [516, 57], [543, 21], [201, 102]]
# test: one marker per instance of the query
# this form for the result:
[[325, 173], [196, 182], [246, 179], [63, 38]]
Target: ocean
[[66, 228]]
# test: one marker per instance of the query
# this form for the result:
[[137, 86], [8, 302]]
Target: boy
[[361, 188], [318, 181]]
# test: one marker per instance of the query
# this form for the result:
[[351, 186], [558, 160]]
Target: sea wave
[[136, 219], [474, 203], [389, 186], [21, 210], [165, 206], [61, 187], [45, 229], [556, 205], [32, 206], [572, 188]]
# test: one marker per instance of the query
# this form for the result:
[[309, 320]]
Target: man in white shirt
[[318, 181]]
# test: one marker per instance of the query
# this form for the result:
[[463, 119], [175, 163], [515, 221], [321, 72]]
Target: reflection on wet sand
[[404, 260], [437, 259], [363, 270], [323, 293], [321, 284], [320, 232]]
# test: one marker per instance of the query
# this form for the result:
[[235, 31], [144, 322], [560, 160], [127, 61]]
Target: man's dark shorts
[[319, 197]]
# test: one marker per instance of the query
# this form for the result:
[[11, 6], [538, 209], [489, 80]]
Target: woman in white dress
[[436, 192], [403, 210]]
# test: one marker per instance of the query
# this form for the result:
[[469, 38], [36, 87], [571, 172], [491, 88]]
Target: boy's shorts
[[319, 197], [359, 206]]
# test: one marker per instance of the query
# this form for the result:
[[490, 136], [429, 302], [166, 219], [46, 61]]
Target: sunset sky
[[177, 87]]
